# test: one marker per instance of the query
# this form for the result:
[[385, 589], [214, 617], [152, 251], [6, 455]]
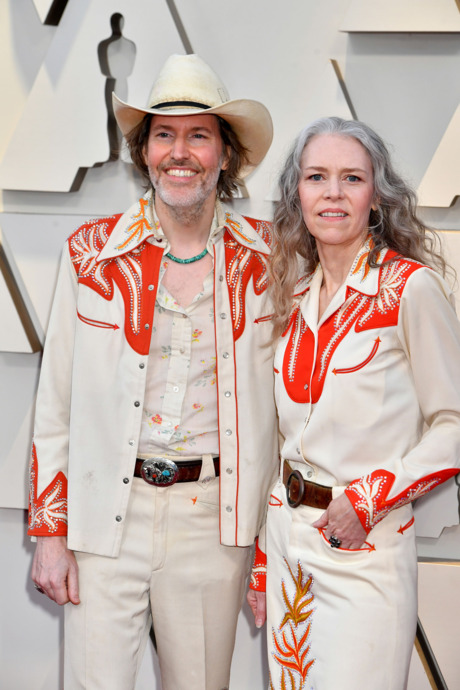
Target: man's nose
[[179, 150]]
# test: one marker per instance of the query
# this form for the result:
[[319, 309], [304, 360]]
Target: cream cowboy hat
[[186, 85]]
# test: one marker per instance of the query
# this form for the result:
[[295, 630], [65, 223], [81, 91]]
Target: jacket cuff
[[369, 495], [259, 570], [47, 512]]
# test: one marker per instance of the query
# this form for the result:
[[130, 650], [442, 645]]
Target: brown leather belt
[[161, 471], [300, 491]]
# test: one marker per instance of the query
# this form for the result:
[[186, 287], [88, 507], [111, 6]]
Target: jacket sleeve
[[429, 334], [48, 465]]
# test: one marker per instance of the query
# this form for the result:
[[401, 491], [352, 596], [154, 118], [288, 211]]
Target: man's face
[[184, 156]]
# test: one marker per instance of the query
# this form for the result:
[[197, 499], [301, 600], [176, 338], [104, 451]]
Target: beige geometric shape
[[439, 614], [63, 127], [14, 487], [417, 676], [437, 510], [393, 16], [331, 98], [20, 330], [441, 183], [50, 11], [450, 241]]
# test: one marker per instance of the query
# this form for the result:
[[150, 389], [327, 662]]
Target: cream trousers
[[172, 570]]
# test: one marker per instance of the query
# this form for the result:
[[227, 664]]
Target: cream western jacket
[[355, 391], [92, 382]]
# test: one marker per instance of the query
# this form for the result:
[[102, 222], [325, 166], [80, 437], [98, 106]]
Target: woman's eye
[[317, 177], [352, 178]]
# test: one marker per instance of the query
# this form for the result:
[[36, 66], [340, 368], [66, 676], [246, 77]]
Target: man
[[155, 420]]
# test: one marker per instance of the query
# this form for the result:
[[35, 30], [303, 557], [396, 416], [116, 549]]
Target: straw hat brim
[[250, 120]]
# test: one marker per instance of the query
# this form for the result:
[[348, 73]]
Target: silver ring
[[334, 542], [38, 588]]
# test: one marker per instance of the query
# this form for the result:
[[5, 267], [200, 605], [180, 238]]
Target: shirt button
[[225, 355], [184, 316], [147, 326], [228, 509], [221, 278], [228, 432], [229, 470], [175, 389], [137, 403], [118, 518], [223, 315], [309, 473], [306, 387], [150, 287], [131, 442], [182, 350], [298, 451], [126, 480], [227, 394], [141, 365]]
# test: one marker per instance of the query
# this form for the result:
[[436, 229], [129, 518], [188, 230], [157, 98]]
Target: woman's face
[[336, 190]]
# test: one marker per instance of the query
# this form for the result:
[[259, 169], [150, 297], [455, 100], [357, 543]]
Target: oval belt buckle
[[295, 474], [159, 471]]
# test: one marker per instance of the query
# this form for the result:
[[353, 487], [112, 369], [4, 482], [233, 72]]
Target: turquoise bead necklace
[[186, 261]]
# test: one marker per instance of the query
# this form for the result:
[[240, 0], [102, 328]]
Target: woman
[[368, 353]]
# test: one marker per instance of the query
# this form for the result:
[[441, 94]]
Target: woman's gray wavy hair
[[394, 224]]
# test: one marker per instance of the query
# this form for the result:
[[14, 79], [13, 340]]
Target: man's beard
[[184, 199]]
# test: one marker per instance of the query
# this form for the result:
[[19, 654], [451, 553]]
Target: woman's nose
[[333, 188]]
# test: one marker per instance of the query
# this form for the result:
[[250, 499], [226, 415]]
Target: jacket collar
[[140, 223], [361, 277]]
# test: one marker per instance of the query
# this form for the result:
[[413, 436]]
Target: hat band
[[171, 104]]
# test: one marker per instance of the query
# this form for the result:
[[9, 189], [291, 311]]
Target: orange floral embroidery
[[291, 645]]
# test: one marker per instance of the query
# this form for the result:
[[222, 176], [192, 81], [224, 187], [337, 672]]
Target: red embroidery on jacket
[[274, 501], [363, 312], [98, 324], [291, 645], [259, 570], [350, 370], [47, 512], [132, 272], [242, 265], [403, 528], [369, 495]]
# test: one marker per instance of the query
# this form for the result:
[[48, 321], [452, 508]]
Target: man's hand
[[340, 520], [55, 570], [258, 603]]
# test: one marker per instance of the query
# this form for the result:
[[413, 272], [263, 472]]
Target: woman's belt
[[300, 491]]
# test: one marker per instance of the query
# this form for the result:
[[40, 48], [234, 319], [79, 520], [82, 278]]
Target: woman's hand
[[340, 521], [257, 602]]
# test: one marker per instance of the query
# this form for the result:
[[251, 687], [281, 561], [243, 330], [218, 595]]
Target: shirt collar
[[141, 222]]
